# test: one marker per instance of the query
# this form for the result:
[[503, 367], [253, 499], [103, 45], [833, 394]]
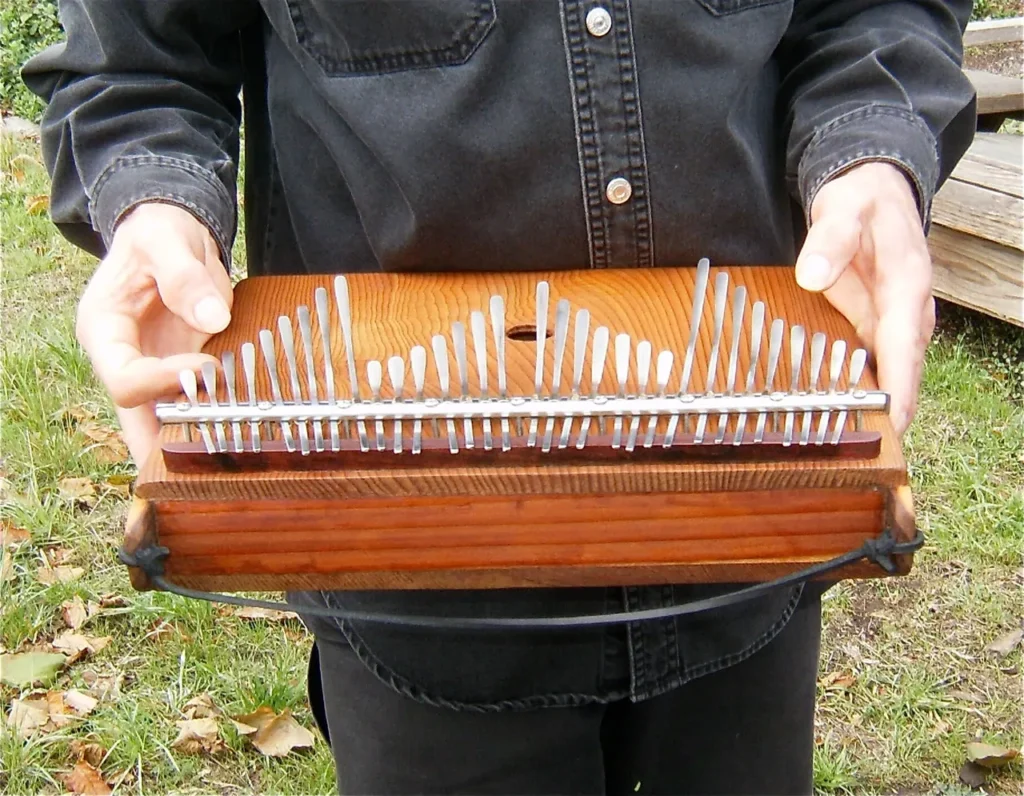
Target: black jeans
[[747, 729]]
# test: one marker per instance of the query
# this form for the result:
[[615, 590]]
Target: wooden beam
[[977, 211], [986, 172], [994, 31], [977, 273], [996, 93]]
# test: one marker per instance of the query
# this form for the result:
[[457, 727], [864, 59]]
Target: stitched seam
[[640, 172], [576, 125], [726, 7]]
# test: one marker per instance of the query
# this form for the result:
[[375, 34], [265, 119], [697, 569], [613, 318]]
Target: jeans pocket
[[367, 37], [721, 8]]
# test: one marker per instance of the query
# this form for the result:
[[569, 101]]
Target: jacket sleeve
[[869, 80], [142, 104]]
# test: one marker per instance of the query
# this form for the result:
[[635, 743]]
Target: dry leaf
[[86, 779], [28, 715], [6, 566], [198, 735], [50, 575], [11, 535], [201, 707], [837, 681], [269, 614], [107, 447], [77, 646], [112, 600], [37, 205], [91, 753], [58, 555], [273, 734], [80, 702], [1004, 645], [121, 489], [74, 612], [103, 687], [79, 490], [990, 756]]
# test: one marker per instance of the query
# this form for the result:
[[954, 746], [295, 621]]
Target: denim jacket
[[518, 134]]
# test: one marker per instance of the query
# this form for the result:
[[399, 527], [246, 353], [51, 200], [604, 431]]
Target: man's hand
[[156, 298], [866, 250]]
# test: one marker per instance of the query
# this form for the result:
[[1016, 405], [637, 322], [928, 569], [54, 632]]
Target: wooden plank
[[996, 93], [978, 273], [995, 175], [1003, 147], [994, 31], [978, 211]]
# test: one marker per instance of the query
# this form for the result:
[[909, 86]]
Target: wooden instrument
[[522, 429]]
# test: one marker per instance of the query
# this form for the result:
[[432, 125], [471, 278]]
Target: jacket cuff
[[877, 133], [130, 181]]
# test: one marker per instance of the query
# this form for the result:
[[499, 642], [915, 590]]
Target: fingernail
[[813, 272], [212, 315]]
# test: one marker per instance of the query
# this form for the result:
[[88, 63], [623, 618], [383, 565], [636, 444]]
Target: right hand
[[155, 299]]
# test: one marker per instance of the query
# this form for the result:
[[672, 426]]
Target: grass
[[905, 681]]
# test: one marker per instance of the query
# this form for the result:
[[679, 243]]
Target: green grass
[[922, 684]]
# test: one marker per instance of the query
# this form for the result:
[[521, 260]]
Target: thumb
[[189, 289], [832, 243]]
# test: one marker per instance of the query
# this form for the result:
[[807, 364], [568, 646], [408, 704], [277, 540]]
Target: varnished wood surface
[[393, 312]]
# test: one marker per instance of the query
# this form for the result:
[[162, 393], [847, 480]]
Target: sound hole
[[525, 333]]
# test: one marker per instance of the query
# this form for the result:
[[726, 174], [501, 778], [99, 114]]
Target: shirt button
[[599, 21], [618, 191]]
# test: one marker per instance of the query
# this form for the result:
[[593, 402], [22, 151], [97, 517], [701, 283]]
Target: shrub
[[26, 27]]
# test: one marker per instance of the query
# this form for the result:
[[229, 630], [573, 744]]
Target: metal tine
[[775, 336], [858, 360], [249, 368], [418, 361], [462, 365], [375, 378], [341, 296], [227, 363], [543, 294], [700, 289], [478, 327], [599, 354], [643, 375], [622, 349], [191, 390], [497, 308], [440, 348], [579, 355], [561, 336], [797, 337], [323, 320], [396, 373], [739, 306], [306, 334], [662, 373], [284, 327], [835, 371], [210, 382], [721, 299], [756, 332], [818, 342], [270, 360]]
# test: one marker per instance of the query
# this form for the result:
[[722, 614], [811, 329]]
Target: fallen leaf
[[201, 707], [990, 756], [107, 447], [51, 575], [57, 555], [123, 490], [269, 614], [973, 775], [74, 612], [86, 779], [37, 205], [25, 668], [80, 702], [837, 681], [77, 646], [273, 734], [81, 491], [104, 687], [6, 567], [1004, 645], [112, 601], [12, 535], [28, 715], [198, 735], [91, 753]]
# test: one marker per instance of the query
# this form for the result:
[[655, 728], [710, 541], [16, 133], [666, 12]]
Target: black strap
[[879, 550]]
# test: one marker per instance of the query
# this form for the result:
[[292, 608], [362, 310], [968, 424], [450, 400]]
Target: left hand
[[866, 251]]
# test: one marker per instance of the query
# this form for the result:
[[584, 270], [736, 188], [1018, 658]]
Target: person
[[451, 135]]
